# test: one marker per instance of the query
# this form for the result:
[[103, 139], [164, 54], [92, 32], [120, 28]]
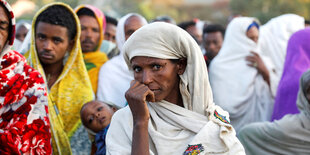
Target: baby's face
[[96, 116]]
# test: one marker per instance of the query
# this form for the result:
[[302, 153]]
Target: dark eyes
[[100, 108], [137, 69], [41, 37], [155, 67], [90, 120], [57, 40]]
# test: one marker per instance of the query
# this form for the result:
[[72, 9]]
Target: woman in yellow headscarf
[[56, 53], [93, 25]]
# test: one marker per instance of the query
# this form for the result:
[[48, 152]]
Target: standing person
[[109, 43], [93, 26], [297, 61], [110, 31], [192, 29], [274, 36], [171, 110], [289, 135], [24, 124], [114, 76], [213, 37], [22, 29], [55, 51], [240, 77]]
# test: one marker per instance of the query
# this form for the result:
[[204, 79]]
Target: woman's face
[[253, 34], [160, 75]]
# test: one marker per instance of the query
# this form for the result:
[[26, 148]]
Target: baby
[[96, 117]]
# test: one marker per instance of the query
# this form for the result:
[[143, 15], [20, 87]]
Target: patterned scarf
[[24, 125]]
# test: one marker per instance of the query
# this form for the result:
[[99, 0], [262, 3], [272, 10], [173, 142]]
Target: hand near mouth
[[136, 96]]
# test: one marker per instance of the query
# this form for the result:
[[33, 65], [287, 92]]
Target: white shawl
[[274, 36], [172, 128], [237, 87], [290, 135], [114, 76]]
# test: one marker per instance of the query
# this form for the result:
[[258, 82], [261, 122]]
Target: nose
[[47, 45], [211, 47], [98, 114], [147, 77]]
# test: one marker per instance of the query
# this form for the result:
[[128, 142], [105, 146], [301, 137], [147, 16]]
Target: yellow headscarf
[[71, 90], [94, 60]]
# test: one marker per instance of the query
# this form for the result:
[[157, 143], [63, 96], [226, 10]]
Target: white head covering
[[114, 76], [172, 46], [237, 87], [274, 36], [172, 129], [120, 30]]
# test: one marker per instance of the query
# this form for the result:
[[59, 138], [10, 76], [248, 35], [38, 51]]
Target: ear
[[114, 109], [182, 65]]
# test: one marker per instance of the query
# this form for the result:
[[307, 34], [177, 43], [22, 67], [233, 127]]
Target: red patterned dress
[[24, 123]]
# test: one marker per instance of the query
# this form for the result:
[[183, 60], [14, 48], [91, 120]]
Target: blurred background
[[216, 11]]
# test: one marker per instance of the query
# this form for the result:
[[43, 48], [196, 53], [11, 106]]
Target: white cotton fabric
[[172, 128], [25, 46], [237, 87], [114, 76], [274, 36], [290, 135]]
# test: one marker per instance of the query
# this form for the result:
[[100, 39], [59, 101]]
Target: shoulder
[[121, 122], [122, 115]]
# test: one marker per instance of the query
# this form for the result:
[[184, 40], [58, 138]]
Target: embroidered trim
[[221, 117], [194, 149]]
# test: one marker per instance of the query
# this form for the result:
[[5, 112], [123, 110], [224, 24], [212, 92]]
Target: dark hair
[[86, 12], [307, 22], [59, 15], [164, 19], [185, 25], [214, 28], [111, 20]]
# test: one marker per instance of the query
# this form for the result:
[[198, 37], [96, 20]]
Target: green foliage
[[266, 9]]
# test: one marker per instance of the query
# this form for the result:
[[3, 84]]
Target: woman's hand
[[257, 62], [136, 96]]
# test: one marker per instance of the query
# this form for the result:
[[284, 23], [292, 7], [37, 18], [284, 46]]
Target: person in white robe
[[196, 125]]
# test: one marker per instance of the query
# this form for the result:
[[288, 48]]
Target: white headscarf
[[274, 36], [173, 128], [114, 76], [237, 87], [290, 135]]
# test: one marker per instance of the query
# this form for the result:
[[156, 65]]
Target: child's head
[[96, 115]]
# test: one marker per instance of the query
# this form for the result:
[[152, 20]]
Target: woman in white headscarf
[[171, 109], [274, 36], [114, 76], [290, 135], [240, 84]]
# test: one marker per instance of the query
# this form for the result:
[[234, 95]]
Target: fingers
[[150, 96], [139, 92], [134, 83]]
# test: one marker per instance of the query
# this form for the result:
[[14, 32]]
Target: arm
[[136, 96], [257, 62]]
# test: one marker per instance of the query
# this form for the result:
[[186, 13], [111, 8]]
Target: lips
[[101, 120], [155, 90], [46, 56]]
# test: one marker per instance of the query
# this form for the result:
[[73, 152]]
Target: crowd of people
[[77, 81]]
